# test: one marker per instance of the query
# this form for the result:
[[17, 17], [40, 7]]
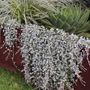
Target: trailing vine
[[52, 58]]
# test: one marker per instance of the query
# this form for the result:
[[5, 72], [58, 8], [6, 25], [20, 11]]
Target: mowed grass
[[12, 81]]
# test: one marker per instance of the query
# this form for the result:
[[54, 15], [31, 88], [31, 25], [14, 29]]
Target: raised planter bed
[[16, 65]]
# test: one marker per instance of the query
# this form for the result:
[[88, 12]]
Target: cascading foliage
[[52, 58], [10, 32]]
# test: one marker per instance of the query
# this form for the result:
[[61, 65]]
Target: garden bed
[[16, 65]]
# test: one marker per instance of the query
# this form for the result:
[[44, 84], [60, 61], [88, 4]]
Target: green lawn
[[12, 81]]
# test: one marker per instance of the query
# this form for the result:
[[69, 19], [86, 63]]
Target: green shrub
[[71, 18]]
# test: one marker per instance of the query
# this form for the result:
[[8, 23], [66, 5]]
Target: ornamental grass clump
[[30, 10], [25, 11], [52, 58]]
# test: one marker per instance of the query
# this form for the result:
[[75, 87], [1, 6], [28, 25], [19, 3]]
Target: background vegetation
[[69, 17]]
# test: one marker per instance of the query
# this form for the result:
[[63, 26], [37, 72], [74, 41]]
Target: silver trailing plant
[[10, 32], [52, 58], [4, 11]]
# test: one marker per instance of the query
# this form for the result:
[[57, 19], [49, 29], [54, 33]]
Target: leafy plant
[[27, 10], [51, 57], [71, 18]]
